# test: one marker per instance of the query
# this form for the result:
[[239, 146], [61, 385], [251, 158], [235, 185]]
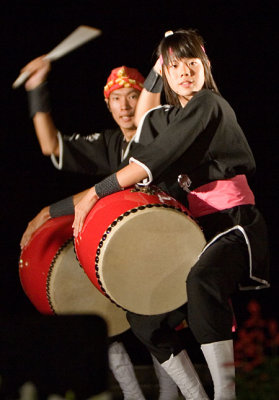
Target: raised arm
[[39, 105], [150, 96]]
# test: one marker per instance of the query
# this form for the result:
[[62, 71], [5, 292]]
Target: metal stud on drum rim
[[141, 258], [54, 281]]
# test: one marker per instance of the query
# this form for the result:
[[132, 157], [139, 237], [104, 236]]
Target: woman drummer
[[199, 145]]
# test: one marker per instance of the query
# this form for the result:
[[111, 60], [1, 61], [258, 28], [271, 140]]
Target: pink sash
[[220, 195]]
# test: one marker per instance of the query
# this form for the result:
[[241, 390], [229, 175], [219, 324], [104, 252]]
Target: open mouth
[[186, 84], [126, 118]]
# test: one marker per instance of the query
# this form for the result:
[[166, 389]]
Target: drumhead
[[71, 292], [145, 259]]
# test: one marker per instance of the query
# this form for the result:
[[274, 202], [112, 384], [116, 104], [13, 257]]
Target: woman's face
[[185, 77]]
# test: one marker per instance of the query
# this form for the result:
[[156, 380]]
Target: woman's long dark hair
[[184, 44]]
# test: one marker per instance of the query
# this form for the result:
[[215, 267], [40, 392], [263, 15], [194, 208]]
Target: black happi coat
[[97, 154], [204, 141]]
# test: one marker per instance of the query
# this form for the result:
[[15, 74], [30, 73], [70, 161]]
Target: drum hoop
[[59, 251], [113, 225]]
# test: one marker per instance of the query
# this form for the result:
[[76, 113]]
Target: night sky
[[241, 43]]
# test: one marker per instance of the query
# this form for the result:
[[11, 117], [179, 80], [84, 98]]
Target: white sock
[[220, 360], [182, 371], [123, 371], [168, 388]]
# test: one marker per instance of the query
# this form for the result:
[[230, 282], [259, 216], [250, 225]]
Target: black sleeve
[[85, 154], [181, 129], [202, 140]]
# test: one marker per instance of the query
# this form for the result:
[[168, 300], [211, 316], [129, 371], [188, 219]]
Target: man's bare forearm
[[46, 133]]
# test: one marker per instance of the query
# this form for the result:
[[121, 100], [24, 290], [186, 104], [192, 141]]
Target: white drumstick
[[77, 38]]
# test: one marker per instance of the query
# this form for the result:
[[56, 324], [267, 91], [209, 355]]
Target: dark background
[[241, 41]]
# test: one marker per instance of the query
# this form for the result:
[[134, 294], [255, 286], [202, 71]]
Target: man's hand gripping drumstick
[[76, 39]]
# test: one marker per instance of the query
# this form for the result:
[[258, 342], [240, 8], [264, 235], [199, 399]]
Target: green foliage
[[257, 358]]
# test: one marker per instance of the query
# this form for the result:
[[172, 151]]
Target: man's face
[[122, 105]]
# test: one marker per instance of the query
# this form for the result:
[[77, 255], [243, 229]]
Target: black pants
[[157, 332], [210, 284]]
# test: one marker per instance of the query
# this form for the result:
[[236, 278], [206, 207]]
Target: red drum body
[[137, 247], [54, 281]]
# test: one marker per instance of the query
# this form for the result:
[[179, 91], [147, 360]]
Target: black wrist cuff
[[107, 186], [38, 99], [62, 207], [154, 82]]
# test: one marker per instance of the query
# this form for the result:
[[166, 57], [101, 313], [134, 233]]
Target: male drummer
[[99, 154]]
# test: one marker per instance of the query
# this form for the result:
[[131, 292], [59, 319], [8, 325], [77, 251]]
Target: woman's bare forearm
[[130, 175], [147, 100]]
